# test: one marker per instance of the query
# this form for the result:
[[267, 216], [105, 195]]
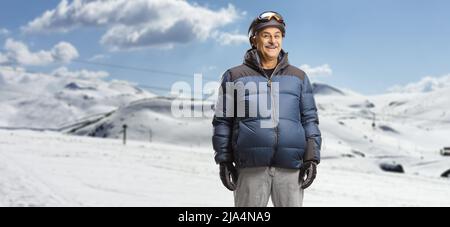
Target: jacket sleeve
[[223, 123], [310, 121]]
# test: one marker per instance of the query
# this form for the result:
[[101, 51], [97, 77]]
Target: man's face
[[268, 42]]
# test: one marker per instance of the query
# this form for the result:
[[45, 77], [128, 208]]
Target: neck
[[267, 63]]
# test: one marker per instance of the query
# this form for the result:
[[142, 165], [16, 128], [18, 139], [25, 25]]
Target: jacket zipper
[[275, 146]]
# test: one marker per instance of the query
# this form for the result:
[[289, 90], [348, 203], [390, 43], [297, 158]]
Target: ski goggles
[[269, 15]]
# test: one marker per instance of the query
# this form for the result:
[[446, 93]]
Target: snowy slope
[[426, 109], [50, 169], [37, 100], [325, 89], [150, 120], [346, 121], [393, 128]]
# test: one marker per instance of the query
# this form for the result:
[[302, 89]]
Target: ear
[[253, 40]]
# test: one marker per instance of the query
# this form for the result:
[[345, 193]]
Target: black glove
[[308, 169], [228, 175]]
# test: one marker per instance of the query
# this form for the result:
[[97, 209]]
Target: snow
[[39, 100], [103, 172], [51, 169], [324, 89], [150, 120], [411, 140], [345, 121], [168, 160]]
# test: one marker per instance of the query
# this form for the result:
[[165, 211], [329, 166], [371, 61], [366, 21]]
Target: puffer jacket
[[242, 140]]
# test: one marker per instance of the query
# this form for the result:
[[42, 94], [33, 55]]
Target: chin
[[272, 54]]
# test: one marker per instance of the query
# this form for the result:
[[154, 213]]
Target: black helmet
[[266, 19]]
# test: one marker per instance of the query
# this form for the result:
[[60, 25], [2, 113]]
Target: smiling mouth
[[271, 47]]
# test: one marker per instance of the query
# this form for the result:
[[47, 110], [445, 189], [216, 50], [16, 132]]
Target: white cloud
[[225, 38], [4, 31], [322, 70], [17, 52], [64, 52], [3, 59], [427, 84], [138, 23], [81, 74]]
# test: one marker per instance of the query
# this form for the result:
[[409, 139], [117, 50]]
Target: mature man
[[259, 162]]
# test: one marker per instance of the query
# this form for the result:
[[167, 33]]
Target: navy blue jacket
[[241, 139]]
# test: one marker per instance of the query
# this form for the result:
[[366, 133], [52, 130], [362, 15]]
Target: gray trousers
[[256, 185]]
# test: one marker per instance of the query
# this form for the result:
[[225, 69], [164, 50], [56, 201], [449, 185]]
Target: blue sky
[[370, 46]]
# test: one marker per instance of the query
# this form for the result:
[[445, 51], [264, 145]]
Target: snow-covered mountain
[[325, 89], [149, 120], [424, 109], [37, 100], [407, 129], [362, 135], [371, 128]]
